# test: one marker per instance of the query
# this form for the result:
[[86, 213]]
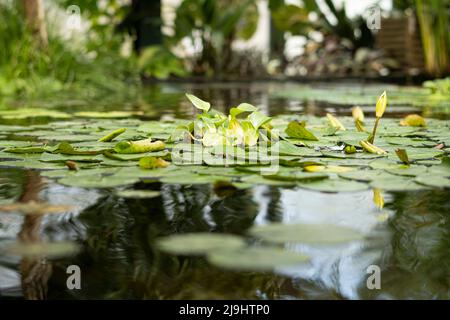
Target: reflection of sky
[[338, 267]]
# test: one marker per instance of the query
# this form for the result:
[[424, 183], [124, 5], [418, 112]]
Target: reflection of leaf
[[199, 243], [48, 249], [307, 233], [34, 208], [255, 259], [138, 194], [378, 198]]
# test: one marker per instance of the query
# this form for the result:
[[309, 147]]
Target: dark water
[[408, 240]]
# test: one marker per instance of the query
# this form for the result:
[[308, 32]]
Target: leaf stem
[[372, 136]]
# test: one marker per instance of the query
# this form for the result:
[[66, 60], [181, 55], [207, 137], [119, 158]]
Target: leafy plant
[[434, 24], [217, 23]]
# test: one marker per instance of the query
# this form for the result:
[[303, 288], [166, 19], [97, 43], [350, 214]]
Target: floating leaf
[[152, 163], [140, 146], [334, 185], [433, 181], [298, 130], [106, 115]]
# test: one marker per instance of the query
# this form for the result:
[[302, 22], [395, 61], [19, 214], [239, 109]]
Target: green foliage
[[433, 16], [217, 23], [28, 70], [160, 63], [331, 21]]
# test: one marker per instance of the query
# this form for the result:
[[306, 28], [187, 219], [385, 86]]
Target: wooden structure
[[400, 39]]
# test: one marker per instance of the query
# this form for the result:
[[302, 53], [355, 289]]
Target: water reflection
[[119, 258]]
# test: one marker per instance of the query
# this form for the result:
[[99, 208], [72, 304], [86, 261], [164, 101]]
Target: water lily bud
[[371, 148], [335, 122], [381, 105], [358, 114]]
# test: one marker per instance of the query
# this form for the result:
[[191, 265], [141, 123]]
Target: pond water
[[408, 240]]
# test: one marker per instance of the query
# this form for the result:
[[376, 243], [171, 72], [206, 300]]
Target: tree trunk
[[35, 19]]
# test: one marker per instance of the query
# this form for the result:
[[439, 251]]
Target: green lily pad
[[433, 181], [334, 185]]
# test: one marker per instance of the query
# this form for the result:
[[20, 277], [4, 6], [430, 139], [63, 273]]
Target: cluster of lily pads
[[114, 150], [324, 154]]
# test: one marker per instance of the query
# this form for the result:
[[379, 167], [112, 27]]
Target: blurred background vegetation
[[47, 48]]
